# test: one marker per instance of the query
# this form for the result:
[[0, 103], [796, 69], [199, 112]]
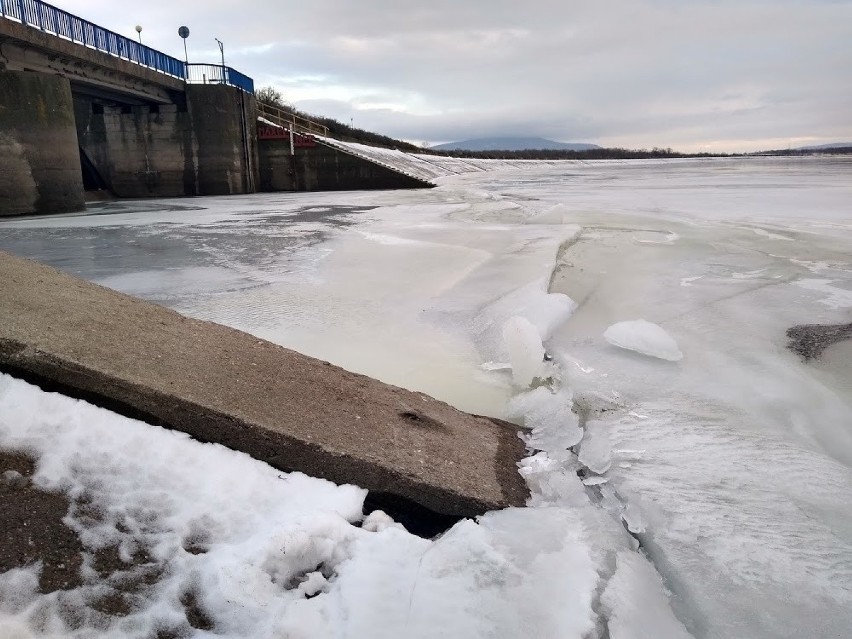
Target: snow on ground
[[731, 468], [269, 554]]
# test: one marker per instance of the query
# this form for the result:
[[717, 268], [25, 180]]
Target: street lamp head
[[138, 28], [183, 32]]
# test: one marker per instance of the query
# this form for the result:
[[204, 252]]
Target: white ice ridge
[[526, 353], [266, 554], [644, 337]]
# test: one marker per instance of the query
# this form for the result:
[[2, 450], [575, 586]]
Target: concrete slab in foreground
[[222, 385]]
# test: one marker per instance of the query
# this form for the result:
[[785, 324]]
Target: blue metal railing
[[217, 74], [50, 19]]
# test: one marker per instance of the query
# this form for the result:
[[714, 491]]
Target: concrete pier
[[222, 385], [40, 167], [204, 146]]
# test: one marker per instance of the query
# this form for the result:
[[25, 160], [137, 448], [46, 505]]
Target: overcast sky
[[722, 75]]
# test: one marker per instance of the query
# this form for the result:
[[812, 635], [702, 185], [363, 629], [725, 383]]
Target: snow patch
[[263, 120], [834, 297]]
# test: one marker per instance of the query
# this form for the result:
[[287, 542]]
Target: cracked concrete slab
[[222, 385]]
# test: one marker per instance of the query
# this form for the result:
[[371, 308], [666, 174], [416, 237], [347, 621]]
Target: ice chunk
[[595, 450], [636, 602], [546, 311], [553, 482], [555, 426], [495, 366], [526, 353], [643, 337], [378, 520], [313, 584], [633, 518]]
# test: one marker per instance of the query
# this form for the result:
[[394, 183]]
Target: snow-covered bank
[[258, 553]]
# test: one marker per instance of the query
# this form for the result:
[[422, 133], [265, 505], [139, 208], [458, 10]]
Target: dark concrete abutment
[[40, 167], [203, 144]]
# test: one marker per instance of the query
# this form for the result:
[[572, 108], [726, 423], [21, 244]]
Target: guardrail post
[[39, 9], [23, 13]]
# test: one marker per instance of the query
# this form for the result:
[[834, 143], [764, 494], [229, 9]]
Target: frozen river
[[732, 467]]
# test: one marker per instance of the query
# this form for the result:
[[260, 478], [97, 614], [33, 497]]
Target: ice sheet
[[741, 493]]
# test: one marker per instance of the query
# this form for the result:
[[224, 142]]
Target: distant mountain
[[819, 147], [513, 144]]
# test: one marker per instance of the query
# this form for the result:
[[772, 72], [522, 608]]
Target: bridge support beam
[[40, 167]]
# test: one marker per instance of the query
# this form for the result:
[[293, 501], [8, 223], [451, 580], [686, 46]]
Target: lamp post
[[222, 51], [183, 32], [139, 32]]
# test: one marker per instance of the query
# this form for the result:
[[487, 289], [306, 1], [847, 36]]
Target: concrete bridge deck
[[26, 48]]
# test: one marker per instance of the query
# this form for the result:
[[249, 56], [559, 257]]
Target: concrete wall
[[40, 167], [138, 151], [207, 147], [323, 168], [224, 129], [277, 166]]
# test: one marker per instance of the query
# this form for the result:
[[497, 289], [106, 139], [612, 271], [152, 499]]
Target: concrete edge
[[395, 490]]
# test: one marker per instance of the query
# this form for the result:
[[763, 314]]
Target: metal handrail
[[50, 19], [287, 119], [217, 74], [45, 17]]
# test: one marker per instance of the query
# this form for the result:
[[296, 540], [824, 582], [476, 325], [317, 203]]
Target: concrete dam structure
[[85, 109]]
